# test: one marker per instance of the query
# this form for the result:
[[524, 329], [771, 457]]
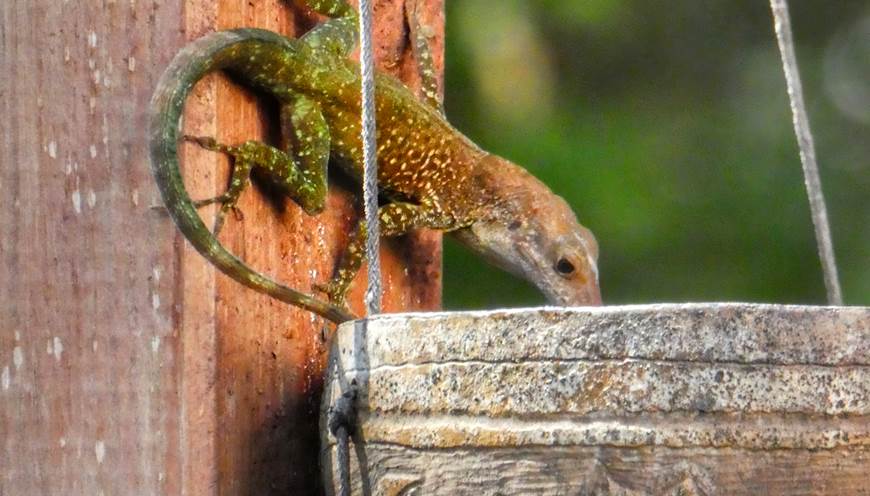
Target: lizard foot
[[336, 291], [240, 170], [206, 142]]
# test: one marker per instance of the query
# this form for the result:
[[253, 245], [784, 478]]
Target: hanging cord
[[784, 38], [341, 422], [342, 415], [370, 162]]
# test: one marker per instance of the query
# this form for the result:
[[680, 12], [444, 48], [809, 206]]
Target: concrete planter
[[654, 399]]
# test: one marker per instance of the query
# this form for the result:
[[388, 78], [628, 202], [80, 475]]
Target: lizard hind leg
[[305, 185], [307, 133], [241, 170]]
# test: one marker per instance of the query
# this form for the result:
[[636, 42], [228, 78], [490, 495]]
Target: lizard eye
[[564, 267]]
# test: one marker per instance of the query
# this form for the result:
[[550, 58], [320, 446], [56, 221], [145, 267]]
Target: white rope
[[370, 162], [782, 24]]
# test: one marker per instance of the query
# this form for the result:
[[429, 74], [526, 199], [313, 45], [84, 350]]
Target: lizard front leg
[[420, 34], [395, 219], [336, 37]]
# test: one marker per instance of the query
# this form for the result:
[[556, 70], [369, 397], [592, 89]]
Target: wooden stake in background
[[127, 365]]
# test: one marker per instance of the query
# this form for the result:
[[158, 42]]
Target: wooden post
[[127, 365]]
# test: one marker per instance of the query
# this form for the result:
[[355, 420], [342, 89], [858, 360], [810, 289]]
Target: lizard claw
[[226, 206], [208, 201], [206, 142]]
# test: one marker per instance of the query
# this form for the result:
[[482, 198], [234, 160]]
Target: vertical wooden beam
[[127, 366], [89, 351]]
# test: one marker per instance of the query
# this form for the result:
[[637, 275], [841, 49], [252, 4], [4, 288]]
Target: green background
[[666, 125]]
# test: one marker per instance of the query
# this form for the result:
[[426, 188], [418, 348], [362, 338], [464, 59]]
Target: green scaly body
[[433, 176]]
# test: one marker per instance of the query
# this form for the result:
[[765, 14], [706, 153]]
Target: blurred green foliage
[[666, 125]]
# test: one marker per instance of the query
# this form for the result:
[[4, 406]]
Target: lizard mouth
[[587, 295], [556, 289]]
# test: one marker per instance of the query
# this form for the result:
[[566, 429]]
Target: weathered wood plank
[[126, 364], [88, 346]]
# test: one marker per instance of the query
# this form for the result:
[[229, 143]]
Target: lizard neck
[[502, 186]]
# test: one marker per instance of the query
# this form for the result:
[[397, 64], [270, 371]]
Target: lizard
[[429, 174]]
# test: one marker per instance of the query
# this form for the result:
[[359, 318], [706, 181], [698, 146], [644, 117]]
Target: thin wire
[[343, 455], [784, 38], [370, 162], [341, 421]]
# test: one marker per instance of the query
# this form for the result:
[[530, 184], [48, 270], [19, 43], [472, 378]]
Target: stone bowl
[[650, 399]]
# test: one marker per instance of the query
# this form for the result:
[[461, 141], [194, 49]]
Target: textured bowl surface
[[654, 399]]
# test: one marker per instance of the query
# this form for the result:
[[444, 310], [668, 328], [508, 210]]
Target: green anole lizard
[[431, 175]]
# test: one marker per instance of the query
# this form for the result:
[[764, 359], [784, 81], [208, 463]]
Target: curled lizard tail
[[207, 54]]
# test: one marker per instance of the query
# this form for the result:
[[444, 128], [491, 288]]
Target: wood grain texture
[[88, 346], [127, 366]]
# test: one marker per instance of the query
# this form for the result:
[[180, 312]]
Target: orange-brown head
[[531, 232]]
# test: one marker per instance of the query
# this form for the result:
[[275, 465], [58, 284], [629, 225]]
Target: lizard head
[[528, 230]]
